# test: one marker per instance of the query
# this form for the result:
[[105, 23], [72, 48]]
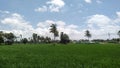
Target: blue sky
[[78, 14]]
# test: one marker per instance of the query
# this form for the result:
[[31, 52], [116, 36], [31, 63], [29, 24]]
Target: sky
[[73, 17]]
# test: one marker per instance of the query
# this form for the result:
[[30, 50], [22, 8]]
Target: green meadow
[[60, 56]]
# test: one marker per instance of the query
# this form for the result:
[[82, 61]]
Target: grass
[[60, 56]]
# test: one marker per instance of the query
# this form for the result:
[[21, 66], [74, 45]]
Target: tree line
[[9, 38]]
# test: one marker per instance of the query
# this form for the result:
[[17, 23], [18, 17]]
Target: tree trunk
[[54, 38], [119, 39], [54, 41], [88, 40]]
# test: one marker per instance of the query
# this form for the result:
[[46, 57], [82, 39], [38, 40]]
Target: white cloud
[[7, 12], [59, 3], [117, 20], [118, 14], [99, 20], [52, 6], [72, 26], [17, 24], [55, 5], [41, 9], [71, 30], [16, 21], [88, 1], [101, 25]]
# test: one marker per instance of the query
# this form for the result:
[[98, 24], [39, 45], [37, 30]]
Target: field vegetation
[[45, 52], [60, 56]]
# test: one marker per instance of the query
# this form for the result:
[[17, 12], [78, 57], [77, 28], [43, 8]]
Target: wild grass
[[60, 56]]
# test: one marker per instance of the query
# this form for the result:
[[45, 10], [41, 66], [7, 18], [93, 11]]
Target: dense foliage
[[64, 38], [8, 38]]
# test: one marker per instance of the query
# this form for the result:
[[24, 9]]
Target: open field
[[60, 56]]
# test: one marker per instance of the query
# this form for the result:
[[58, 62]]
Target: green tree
[[39, 38], [35, 37], [88, 34], [119, 35], [25, 40], [1, 37], [10, 38], [47, 39], [42, 39], [61, 37], [64, 38], [53, 30], [20, 38]]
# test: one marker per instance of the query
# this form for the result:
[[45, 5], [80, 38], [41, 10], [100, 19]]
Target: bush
[[8, 42], [24, 40]]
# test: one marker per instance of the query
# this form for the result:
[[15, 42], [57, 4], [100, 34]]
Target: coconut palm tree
[[119, 35], [87, 34], [35, 37], [53, 30]]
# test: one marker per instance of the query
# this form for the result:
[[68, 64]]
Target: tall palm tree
[[119, 35], [53, 30], [21, 38], [108, 36], [35, 37], [87, 34]]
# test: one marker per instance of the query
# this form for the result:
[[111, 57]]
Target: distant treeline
[[10, 38]]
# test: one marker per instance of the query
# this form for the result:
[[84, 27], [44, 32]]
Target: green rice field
[[60, 56]]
